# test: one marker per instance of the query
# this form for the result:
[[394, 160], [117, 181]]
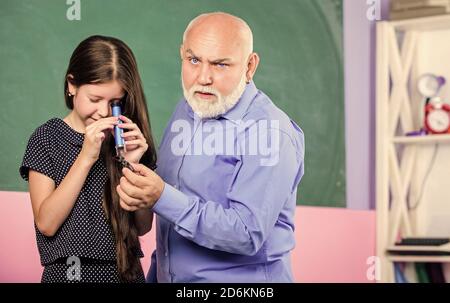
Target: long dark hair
[[100, 59]]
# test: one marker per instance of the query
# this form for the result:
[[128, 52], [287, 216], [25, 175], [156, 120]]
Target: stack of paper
[[406, 9]]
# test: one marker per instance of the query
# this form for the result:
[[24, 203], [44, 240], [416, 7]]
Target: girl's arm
[[144, 220], [52, 206]]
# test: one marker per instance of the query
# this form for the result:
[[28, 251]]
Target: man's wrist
[[160, 190], [171, 204]]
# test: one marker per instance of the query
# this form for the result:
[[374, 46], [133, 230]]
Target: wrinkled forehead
[[213, 42]]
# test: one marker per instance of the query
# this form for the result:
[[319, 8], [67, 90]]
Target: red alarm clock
[[437, 118]]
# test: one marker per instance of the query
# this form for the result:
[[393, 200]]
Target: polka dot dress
[[86, 234], [83, 270]]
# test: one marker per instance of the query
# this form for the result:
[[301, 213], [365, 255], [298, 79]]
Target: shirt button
[[175, 186], [165, 254]]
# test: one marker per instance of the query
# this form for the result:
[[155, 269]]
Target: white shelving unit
[[397, 155], [422, 139]]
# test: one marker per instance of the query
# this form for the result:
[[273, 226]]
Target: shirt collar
[[236, 113], [240, 109]]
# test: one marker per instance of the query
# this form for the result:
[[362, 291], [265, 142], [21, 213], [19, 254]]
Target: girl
[[82, 232]]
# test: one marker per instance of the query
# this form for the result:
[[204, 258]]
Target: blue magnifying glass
[[118, 139]]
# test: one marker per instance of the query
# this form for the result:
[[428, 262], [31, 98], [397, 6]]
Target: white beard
[[211, 109]]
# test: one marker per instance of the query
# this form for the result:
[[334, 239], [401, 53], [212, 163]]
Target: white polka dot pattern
[[89, 272], [52, 149]]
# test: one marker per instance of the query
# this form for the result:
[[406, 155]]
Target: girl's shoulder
[[48, 129], [56, 130], [38, 153]]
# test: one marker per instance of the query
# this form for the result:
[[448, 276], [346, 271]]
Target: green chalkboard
[[299, 42]]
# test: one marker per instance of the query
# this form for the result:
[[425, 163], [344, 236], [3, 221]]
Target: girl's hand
[[135, 143], [94, 136]]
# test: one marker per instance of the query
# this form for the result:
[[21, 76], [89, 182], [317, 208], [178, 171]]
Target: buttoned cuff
[[171, 204]]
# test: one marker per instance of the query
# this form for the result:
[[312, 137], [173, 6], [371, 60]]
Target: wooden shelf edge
[[428, 139], [414, 258], [429, 23]]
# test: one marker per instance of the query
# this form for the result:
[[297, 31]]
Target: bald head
[[217, 62], [231, 28]]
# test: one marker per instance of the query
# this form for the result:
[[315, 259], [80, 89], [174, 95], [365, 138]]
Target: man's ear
[[252, 65]]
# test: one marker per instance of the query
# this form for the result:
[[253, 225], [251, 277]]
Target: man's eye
[[221, 65], [194, 60], [94, 100]]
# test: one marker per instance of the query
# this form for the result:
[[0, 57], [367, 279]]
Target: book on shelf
[[421, 247], [423, 241], [435, 272], [399, 273], [422, 273]]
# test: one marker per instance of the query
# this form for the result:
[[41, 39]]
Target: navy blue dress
[[83, 249]]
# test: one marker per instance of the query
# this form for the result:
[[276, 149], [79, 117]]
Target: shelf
[[439, 22], [425, 259], [402, 56], [410, 253], [428, 139], [445, 248]]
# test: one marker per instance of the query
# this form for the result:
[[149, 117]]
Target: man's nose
[[205, 76]]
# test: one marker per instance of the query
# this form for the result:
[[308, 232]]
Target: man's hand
[[139, 190]]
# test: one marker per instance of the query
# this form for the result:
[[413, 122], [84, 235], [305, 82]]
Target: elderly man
[[231, 162]]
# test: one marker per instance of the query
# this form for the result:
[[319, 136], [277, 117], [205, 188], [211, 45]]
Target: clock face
[[438, 120]]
